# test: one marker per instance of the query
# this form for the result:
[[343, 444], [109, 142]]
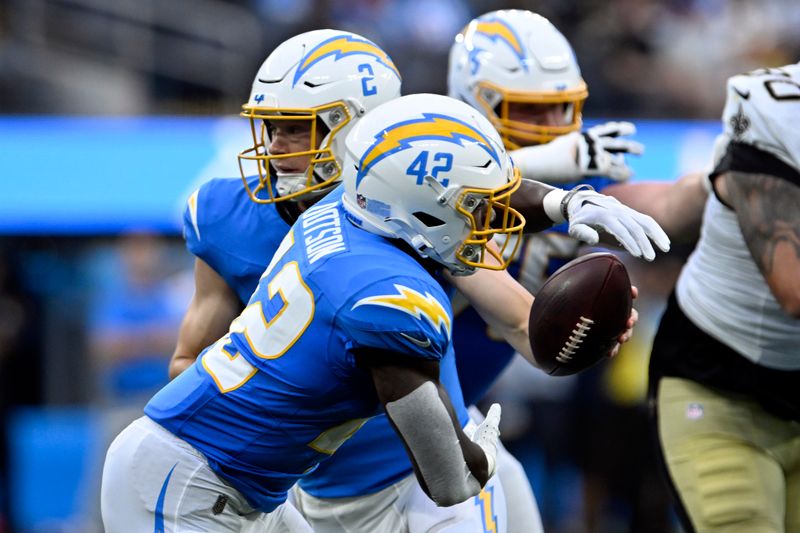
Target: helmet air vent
[[428, 219]]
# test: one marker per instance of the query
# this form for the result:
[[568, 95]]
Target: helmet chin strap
[[421, 245], [290, 183]]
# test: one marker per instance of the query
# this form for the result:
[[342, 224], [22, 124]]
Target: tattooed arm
[[768, 209]]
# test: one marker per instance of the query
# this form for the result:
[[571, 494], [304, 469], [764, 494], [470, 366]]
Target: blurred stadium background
[[113, 111]]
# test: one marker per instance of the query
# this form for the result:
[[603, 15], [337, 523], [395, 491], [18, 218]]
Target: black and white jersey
[[763, 110], [721, 288]]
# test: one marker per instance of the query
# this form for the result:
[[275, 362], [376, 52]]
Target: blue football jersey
[[232, 234], [281, 391], [482, 357]]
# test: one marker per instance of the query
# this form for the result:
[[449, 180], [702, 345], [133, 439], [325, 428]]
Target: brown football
[[579, 312]]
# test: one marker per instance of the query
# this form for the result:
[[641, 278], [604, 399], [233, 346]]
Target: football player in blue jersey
[[369, 484], [346, 317], [305, 98], [521, 72], [374, 463]]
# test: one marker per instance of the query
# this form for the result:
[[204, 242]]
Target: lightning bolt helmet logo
[[398, 137], [339, 47], [499, 31]]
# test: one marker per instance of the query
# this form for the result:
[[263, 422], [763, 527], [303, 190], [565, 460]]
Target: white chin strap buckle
[[421, 245], [290, 183]]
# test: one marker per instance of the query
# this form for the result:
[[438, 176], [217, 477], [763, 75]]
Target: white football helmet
[[516, 56], [328, 77], [432, 171]]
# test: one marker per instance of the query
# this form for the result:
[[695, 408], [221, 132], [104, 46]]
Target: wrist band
[[552, 205], [565, 201]]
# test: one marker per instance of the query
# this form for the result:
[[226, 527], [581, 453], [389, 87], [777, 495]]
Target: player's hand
[[602, 149], [486, 435], [598, 151], [628, 333], [589, 212]]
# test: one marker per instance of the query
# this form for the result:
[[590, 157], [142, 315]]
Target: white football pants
[[155, 482], [404, 507]]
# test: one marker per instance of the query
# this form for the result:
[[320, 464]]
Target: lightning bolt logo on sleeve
[[415, 304], [340, 47], [498, 30], [399, 136], [192, 202]]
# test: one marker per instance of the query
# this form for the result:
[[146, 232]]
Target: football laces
[[579, 333]]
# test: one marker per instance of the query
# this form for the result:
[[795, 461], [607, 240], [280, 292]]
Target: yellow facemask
[[495, 217], [516, 134], [258, 160]]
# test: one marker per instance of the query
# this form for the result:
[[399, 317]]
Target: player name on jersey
[[323, 232]]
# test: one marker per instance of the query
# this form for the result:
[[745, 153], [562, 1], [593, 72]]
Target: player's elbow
[[454, 493], [456, 487], [179, 363], [787, 293], [791, 304], [450, 486]]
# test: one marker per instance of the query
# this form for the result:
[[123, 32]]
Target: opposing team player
[[725, 365], [234, 239], [346, 317]]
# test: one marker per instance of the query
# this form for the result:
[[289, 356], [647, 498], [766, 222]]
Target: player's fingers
[[632, 319], [637, 242], [584, 233], [613, 129], [614, 352], [640, 234], [654, 232], [634, 291], [619, 171], [624, 127], [616, 145], [493, 415], [627, 237]]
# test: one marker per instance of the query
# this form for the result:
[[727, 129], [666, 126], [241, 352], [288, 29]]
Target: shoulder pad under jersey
[[763, 109]]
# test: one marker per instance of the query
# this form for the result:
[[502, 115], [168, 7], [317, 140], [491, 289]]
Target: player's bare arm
[[529, 200], [213, 307], [505, 306], [767, 209], [502, 302], [449, 465], [676, 206]]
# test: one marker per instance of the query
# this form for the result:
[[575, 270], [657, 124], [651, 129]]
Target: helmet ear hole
[[428, 219]]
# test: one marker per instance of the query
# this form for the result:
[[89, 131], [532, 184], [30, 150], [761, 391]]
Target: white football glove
[[589, 211], [486, 434], [598, 151]]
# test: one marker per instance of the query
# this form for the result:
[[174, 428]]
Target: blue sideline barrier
[[73, 176]]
